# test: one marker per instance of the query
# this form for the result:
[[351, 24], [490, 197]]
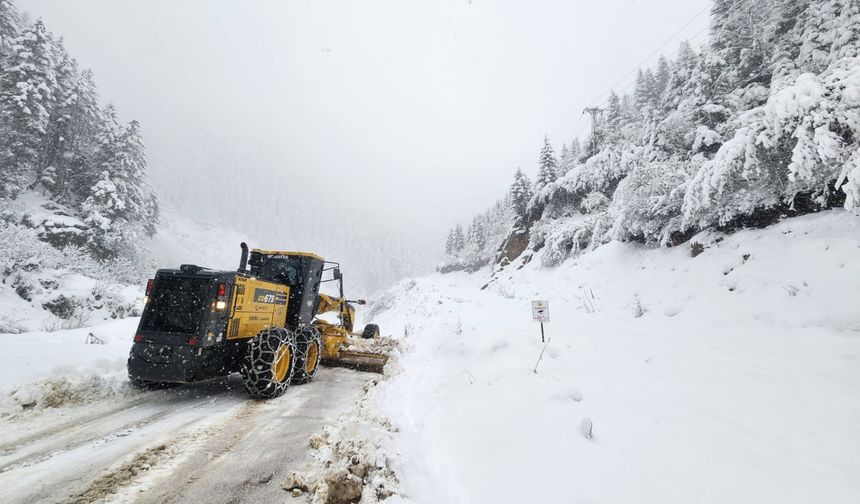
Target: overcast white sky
[[419, 111]]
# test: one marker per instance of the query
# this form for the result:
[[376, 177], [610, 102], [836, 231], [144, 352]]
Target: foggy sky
[[400, 115]]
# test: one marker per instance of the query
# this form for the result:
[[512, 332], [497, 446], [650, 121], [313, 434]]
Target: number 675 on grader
[[261, 320]]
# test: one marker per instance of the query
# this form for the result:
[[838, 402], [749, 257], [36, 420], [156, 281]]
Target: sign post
[[540, 313]]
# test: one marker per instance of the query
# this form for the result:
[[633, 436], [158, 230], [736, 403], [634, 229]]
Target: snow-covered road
[[204, 442]]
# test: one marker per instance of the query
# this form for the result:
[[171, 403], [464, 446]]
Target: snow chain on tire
[[269, 363], [309, 353]]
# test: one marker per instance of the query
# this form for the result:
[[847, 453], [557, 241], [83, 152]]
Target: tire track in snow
[[119, 476], [47, 453], [65, 464], [57, 429]]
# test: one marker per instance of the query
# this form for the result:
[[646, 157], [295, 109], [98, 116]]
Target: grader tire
[[370, 331], [269, 363], [308, 353]]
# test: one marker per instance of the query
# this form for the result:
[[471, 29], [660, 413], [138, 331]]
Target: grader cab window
[[281, 270]]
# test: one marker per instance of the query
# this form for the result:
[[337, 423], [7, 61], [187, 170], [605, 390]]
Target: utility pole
[[593, 111]]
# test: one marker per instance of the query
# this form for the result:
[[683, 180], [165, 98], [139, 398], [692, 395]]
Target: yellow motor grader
[[262, 320]]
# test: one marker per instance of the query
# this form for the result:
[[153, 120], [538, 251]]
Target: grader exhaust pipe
[[243, 260]]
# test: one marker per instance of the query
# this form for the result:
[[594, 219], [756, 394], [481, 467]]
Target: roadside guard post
[[540, 313]]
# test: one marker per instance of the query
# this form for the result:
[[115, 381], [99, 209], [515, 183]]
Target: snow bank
[[52, 369], [725, 374]]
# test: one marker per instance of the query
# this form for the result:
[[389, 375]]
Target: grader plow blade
[[358, 361]]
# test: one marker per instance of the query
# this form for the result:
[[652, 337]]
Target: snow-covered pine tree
[[103, 213], [547, 165], [741, 32], [141, 202], [26, 101], [828, 33], [459, 241], [120, 202], [645, 92], [478, 233], [521, 194], [449, 243], [575, 150], [10, 27], [563, 160], [55, 141], [786, 42], [81, 142], [614, 116], [661, 78]]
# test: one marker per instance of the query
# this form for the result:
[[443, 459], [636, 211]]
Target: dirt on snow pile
[[350, 462]]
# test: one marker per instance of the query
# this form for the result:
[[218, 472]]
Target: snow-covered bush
[[594, 202], [9, 325], [599, 175], [647, 204], [559, 239]]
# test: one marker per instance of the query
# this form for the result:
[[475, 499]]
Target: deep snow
[[739, 383]]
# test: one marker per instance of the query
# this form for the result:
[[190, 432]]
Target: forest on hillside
[[59, 144], [760, 123]]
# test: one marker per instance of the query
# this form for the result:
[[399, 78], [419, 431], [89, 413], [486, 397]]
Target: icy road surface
[[199, 443]]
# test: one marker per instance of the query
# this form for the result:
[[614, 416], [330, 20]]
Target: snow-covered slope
[[181, 240], [731, 376]]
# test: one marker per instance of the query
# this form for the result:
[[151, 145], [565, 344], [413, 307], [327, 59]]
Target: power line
[[601, 100], [633, 83], [655, 51]]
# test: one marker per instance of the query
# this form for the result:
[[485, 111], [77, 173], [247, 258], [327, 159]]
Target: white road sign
[[540, 311]]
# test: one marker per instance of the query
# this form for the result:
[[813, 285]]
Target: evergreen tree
[[103, 211], [829, 32], [521, 193], [449, 243], [77, 173], [786, 41], [645, 91], [478, 233], [141, 202], [10, 27], [54, 144], [547, 165], [459, 241], [26, 101], [628, 109], [661, 78], [681, 74], [575, 151], [564, 161], [613, 114]]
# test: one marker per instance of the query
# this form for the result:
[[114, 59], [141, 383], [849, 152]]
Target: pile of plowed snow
[[724, 372], [53, 369]]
